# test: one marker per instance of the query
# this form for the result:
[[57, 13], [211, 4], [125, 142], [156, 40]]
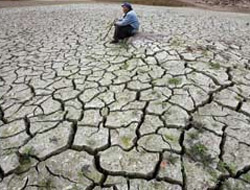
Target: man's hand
[[115, 21]]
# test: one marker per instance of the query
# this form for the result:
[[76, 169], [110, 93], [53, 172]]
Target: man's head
[[126, 7]]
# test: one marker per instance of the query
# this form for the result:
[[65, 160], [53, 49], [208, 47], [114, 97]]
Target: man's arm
[[117, 20], [126, 21]]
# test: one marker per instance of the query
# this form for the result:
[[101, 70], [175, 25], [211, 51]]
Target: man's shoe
[[114, 42]]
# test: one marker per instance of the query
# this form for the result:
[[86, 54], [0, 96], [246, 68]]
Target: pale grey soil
[[168, 109]]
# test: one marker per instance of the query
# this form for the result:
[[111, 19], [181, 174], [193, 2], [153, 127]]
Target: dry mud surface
[[169, 109]]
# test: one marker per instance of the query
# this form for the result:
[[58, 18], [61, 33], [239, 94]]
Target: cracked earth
[[168, 109]]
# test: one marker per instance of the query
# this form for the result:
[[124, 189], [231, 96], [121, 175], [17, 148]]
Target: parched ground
[[169, 109], [242, 6]]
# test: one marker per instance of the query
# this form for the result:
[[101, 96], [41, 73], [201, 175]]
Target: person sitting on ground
[[128, 25]]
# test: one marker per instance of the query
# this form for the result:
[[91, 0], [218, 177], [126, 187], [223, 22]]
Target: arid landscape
[[218, 5], [166, 109]]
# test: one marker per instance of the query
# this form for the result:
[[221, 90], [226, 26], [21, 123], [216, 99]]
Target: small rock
[[188, 57], [234, 47]]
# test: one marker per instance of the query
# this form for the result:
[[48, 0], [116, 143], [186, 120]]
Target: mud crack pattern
[[169, 109]]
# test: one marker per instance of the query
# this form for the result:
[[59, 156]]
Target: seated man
[[128, 25]]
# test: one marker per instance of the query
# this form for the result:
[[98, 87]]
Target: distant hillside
[[228, 5], [226, 2]]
